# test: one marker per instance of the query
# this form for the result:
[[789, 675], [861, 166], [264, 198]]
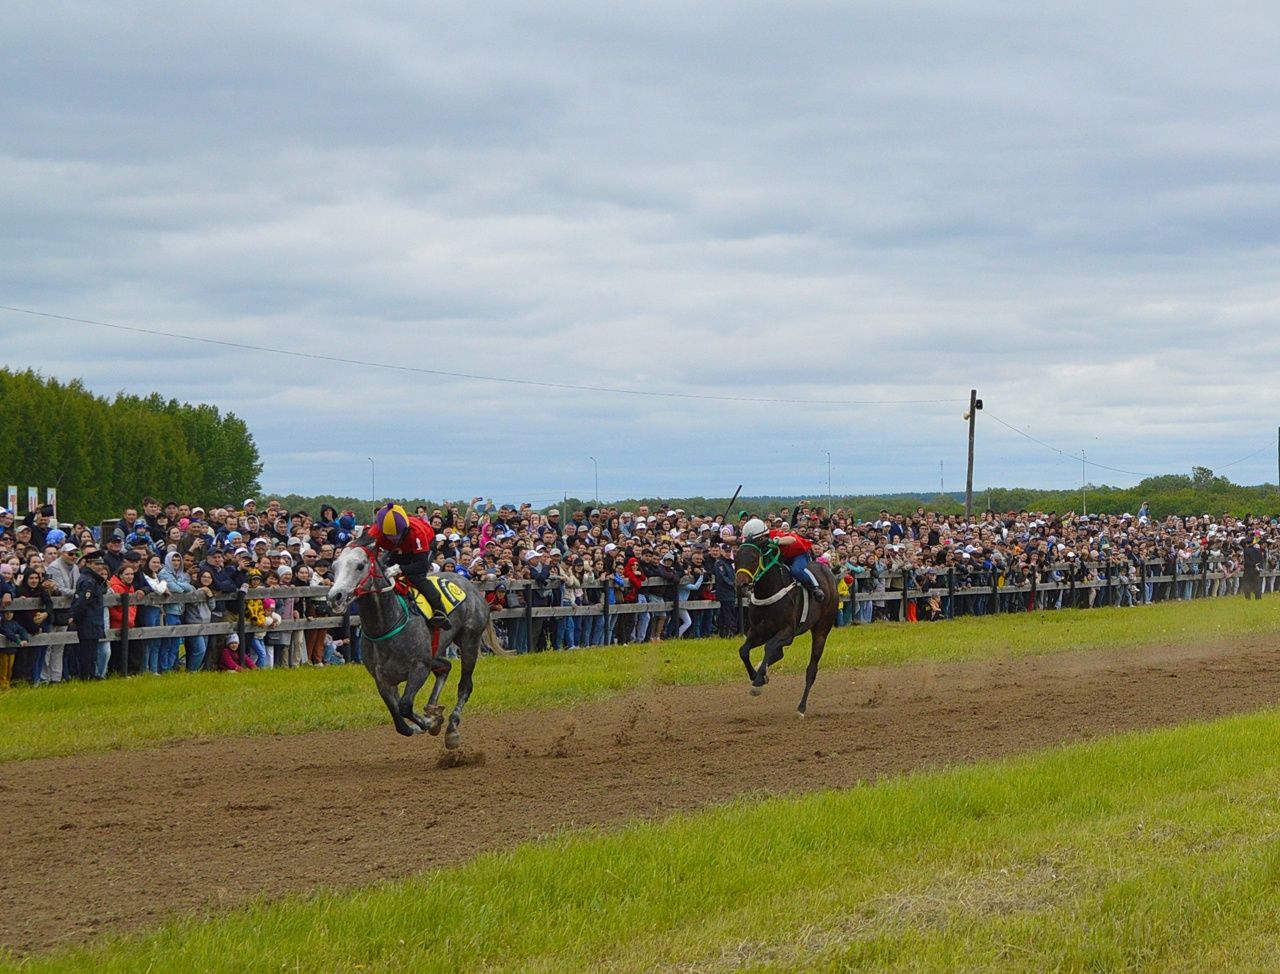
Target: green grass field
[[1154, 852], [76, 718]]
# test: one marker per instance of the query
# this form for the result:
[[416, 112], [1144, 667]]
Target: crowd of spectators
[[920, 566]]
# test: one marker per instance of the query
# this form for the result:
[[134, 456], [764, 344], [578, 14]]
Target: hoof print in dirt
[[460, 758], [564, 743]]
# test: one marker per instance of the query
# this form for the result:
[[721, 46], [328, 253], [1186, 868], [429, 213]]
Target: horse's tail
[[489, 640]]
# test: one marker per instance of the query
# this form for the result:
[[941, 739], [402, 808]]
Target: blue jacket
[[86, 606]]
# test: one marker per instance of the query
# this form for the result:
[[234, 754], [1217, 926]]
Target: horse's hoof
[[434, 725], [800, 714], [756, 691], [453, 740]]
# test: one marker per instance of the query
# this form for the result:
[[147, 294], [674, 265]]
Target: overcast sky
[[1074, 208]]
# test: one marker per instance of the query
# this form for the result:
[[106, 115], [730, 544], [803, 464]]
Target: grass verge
[[77, 718], [1153, 852]]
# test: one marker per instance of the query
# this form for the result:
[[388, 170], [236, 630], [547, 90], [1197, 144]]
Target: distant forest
[[103, 454]]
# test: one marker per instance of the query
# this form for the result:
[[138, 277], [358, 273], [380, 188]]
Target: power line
[[1242, 459], [315, 356], [1102, 466], [1065, 455]]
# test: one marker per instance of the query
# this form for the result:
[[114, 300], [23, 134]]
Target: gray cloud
[[1073, 208]]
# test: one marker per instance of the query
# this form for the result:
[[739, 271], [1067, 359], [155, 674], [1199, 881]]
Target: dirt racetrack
[[120, 840]]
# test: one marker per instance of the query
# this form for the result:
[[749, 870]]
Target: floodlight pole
[[972, 416], [830, 503], [596, 467], [373, 481]]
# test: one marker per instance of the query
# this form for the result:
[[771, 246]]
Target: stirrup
[[439, 621], [818, 594]]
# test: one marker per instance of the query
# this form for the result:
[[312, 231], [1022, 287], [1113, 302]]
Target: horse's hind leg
[[811, 672], [452, 737], [440, 667]]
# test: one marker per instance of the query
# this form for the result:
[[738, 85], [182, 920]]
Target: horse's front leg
[[744, 652], [417, 677], [772, 653], [388, 694]]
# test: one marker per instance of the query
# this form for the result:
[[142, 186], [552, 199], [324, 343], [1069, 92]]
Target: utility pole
[[972, 415], [942, 477], [373, 481]]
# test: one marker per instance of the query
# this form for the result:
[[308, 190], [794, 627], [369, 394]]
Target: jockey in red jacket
[[794, 550], [409, 540]]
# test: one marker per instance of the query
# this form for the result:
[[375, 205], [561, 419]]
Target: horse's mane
[[367, 542]]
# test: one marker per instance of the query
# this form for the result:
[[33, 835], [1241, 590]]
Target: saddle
[[451, 595]]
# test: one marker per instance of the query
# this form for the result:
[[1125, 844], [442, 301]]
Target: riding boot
[[438, 620], [814, 588]]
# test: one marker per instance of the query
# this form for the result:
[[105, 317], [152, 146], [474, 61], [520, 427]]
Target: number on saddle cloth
[[450, 595]]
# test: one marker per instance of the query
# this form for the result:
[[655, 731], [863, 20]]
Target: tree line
[[1200, 492], [105, 454]]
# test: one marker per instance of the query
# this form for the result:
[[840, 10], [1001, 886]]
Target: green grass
[[1153, 852], [77, 718]]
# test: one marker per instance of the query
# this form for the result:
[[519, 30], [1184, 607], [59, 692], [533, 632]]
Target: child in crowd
[[231, 654]]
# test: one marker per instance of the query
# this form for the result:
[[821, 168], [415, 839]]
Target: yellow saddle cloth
[[451, 594]]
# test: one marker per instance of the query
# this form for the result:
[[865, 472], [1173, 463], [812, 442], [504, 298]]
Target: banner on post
[[13, 499], [33, 499], [51, 498]]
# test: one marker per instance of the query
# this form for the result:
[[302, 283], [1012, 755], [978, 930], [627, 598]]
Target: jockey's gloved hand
[[394, 571]]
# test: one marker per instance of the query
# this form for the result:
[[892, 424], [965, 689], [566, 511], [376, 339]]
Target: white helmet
[[755, 528]]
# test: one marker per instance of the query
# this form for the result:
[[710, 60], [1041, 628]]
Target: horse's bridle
[[769, 556], [368, 584]]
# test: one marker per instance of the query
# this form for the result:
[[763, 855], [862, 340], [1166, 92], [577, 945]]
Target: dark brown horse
[[779, 609]]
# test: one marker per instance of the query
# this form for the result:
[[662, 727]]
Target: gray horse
[[396, 641]]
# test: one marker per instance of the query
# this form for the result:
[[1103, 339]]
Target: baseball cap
[[68, 547], [248, 501]]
